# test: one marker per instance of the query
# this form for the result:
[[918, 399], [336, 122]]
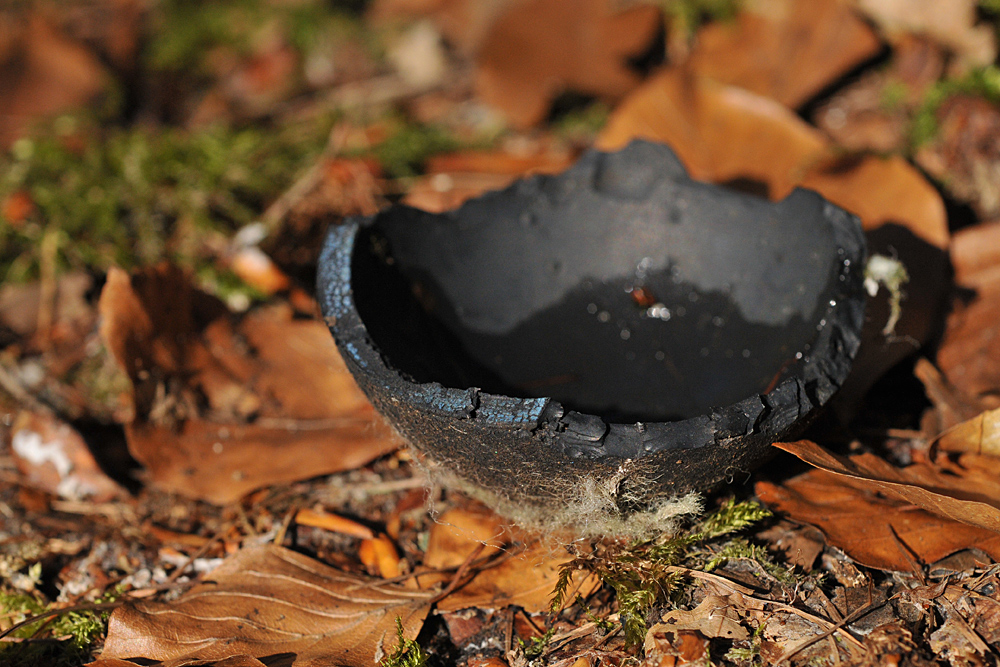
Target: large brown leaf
[[786, 49], [875, 531], [943, 494], [223, 407], [266, 602], [539, 48], [720, 132]]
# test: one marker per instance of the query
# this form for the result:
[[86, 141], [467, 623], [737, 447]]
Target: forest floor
[[190, 476]]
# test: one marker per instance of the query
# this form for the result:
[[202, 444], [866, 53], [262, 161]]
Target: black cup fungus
[[616, 316]]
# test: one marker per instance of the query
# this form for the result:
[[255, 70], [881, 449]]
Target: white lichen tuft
[[589, 508], [890, 273]]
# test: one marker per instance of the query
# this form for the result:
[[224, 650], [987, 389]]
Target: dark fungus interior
[[621, 289]]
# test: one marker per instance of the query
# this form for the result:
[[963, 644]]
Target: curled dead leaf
[[875, 531], [784, 49], [921, 485], [979, 435], [225, 406], [265, 602]]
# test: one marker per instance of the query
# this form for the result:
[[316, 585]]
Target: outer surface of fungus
[[618, 326]]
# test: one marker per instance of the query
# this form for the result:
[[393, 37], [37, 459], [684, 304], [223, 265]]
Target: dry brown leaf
[[453, 178], [214, 420], [721, 133], [267, 602], [714, 617], [665, 647], [465, 23], [979, 435], [945, 495], [951, 406], [950, 22], [969, 356], [526, 578], [42, 72], [786, 49], [539, 48], [52, 456], [875, 531]]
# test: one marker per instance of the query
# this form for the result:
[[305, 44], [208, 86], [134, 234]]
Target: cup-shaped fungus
[[617, 330]]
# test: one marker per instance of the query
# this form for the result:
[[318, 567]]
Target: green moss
[[134, 196], [644, 574], [187, 34], [583, 124], [893, 96], [409, 145], [535, 646], [407, 652], [689, 14], [63, 640], [982, 82]]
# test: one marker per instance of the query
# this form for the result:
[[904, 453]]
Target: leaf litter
[[229, 407]]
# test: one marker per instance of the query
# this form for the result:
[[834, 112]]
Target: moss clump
[[647, 573], [689, 14], [60, 640], [982, 82], [131, 196], [188, 34], [408, 145], [407, 652]]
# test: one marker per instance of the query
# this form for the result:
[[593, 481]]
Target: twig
[[456, 581], [837, 627]]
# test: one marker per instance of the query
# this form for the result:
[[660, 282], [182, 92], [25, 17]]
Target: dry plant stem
[[387, 89], [64, 610], [175, 575], [285, 525], [910, 557], [10, 384], [456, 581], [48, 255], [837, 627], [561, 640], [970, 634]]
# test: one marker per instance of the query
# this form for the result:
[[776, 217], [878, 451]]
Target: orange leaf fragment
[[332, 522], [378, 554], [525, 578]]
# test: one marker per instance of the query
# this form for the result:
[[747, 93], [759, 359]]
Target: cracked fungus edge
[[585, 508]]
